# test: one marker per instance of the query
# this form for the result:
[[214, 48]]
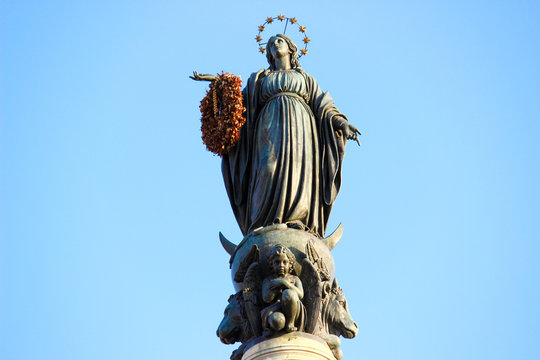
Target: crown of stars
[[287, 20]]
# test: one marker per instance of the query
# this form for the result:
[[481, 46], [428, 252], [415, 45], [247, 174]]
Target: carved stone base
[[292, 346]]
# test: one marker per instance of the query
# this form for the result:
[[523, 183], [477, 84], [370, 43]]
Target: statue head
[[293, 51], [281, 260]]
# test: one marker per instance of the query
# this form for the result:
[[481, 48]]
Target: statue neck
[[283, 63]]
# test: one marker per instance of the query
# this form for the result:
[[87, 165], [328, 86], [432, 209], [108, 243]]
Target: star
[[262, 50], [292, 20], [261, 28], [302, 29], [269, 20], [306, 40], [258, 38], [303, 51], [281, 17]]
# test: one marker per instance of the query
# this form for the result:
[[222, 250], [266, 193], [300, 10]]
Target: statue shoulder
[[306, 75], [258, 74]]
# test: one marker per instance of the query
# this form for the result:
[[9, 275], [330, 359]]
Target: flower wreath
[[222, 114]]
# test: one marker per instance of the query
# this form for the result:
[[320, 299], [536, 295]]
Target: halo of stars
[[287, 20]]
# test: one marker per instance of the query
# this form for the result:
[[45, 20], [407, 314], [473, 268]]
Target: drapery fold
[[286, 166]]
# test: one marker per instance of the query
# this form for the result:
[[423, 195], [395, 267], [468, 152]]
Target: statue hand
[[286, 284], [203, 77], [278, 284], [351, 132]]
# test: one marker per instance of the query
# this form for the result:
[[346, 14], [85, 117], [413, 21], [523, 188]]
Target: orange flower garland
[[222, 114]]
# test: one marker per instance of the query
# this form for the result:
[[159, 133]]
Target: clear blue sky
[[111, 206]]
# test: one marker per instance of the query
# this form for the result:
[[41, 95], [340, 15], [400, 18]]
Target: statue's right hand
[[202, 77]]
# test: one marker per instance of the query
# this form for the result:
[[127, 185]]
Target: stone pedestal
[[292, 346]]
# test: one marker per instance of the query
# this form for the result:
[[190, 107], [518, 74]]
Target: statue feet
[[291, 328], [296, 224]]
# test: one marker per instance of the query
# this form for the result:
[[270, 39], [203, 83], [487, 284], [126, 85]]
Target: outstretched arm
[[323, 107], [203, 77]]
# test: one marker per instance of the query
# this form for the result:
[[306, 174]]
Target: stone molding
[[291, 346]]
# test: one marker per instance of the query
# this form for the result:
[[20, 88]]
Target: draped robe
[[286, 166]]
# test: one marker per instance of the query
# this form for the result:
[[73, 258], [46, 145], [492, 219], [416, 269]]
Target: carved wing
[[252, 281], [311, 281], [317, 262], [251, 257]]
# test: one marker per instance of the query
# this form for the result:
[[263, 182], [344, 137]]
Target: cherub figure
[[283, 291]]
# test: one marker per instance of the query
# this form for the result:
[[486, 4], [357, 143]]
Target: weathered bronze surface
[[282, 179]]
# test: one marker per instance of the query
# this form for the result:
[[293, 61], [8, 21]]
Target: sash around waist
[[285, 93]]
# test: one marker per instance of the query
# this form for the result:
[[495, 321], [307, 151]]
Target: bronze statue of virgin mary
[[281, 164], [286, 166]]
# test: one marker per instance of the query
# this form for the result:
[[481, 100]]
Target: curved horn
[[229, 247], [332, 240]]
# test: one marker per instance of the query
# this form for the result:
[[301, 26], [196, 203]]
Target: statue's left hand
[[351, 132]]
